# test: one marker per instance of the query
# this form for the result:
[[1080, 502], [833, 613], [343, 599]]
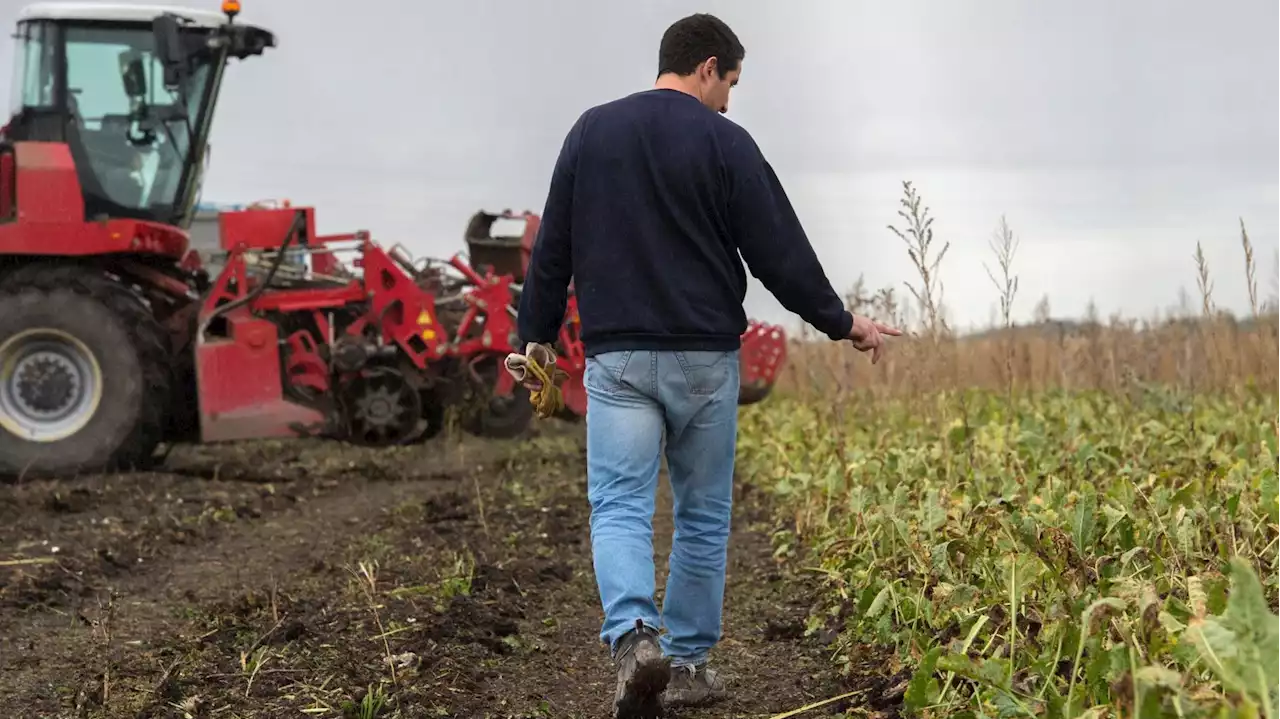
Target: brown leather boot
[[643, 673]]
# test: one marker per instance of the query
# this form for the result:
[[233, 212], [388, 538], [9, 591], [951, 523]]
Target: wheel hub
[[383, 407], [50, 385], [378, 408]]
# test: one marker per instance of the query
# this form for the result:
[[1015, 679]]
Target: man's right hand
[[867, 334]]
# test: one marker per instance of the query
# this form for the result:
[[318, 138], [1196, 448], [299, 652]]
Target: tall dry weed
[[1208, 350]]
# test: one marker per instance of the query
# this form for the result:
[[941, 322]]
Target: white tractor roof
[[116, 11]]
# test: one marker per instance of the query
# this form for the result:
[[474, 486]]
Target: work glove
[[536, 369]]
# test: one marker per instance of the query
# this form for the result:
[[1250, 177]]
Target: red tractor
[[114, 339]]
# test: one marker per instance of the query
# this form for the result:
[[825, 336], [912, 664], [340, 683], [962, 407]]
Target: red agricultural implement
[[114, 339]]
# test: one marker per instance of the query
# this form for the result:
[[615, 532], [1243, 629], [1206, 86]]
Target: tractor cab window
[[33, 68], [131, 132]]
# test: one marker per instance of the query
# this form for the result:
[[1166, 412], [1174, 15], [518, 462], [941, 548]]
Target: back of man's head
[[690, 41]]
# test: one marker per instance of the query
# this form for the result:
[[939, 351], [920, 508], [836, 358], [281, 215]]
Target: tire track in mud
[[431, 583]]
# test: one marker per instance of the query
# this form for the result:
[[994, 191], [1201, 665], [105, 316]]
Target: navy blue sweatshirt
[[652, 199]]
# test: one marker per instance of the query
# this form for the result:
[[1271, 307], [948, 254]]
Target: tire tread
[[149, 340]]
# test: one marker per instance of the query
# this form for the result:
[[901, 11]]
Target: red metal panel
[[151, 237], [241, 369], [48, 187], [491, 297], [7, 186], [26, 237], [50, 213], [240, 389], [406, 313], [304, 366], [260, 228], [309, 299], [234, 273], [325, 263]]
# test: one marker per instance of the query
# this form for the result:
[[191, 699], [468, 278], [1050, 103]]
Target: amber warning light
[[231, 8]]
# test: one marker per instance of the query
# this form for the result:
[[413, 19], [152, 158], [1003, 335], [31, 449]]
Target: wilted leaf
[[878, 604], [1082, 520]]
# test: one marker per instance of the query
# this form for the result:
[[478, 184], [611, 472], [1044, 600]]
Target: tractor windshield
[[136, 134], [100, 87]]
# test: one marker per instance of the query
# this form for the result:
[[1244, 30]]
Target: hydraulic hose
[[295, 230]]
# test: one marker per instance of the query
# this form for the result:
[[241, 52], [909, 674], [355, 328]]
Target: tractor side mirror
[[169, 49], [132, 74]]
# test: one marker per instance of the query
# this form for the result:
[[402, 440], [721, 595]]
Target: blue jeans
[[636, 400]]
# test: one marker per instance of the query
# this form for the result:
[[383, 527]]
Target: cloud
[[1114, 136]]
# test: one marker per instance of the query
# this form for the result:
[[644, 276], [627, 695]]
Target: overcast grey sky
[[1113, 135]]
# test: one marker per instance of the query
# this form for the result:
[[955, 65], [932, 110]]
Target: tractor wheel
[[496, 417], [381, 408], [84, 377]]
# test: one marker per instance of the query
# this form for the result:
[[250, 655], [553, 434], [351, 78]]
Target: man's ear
[[711, 64]]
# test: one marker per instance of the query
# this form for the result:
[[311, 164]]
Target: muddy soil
[[313, 579]]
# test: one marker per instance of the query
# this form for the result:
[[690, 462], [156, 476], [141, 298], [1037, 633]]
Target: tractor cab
[[130, 89]]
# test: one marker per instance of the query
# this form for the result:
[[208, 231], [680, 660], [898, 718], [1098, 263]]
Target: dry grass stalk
[[919, 239], [1004, 245], [1250, 269], [1209, 350]]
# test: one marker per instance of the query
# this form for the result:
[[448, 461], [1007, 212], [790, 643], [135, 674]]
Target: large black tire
[[182, 418], [113, 334]]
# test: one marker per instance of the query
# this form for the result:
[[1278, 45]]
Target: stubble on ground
[[451, 579]]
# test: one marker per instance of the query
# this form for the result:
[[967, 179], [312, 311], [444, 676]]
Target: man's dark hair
[[691, 40]]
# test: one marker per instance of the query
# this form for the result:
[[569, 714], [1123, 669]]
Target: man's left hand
[[543, 355]]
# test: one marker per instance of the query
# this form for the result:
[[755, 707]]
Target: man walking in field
[[651, 201]]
